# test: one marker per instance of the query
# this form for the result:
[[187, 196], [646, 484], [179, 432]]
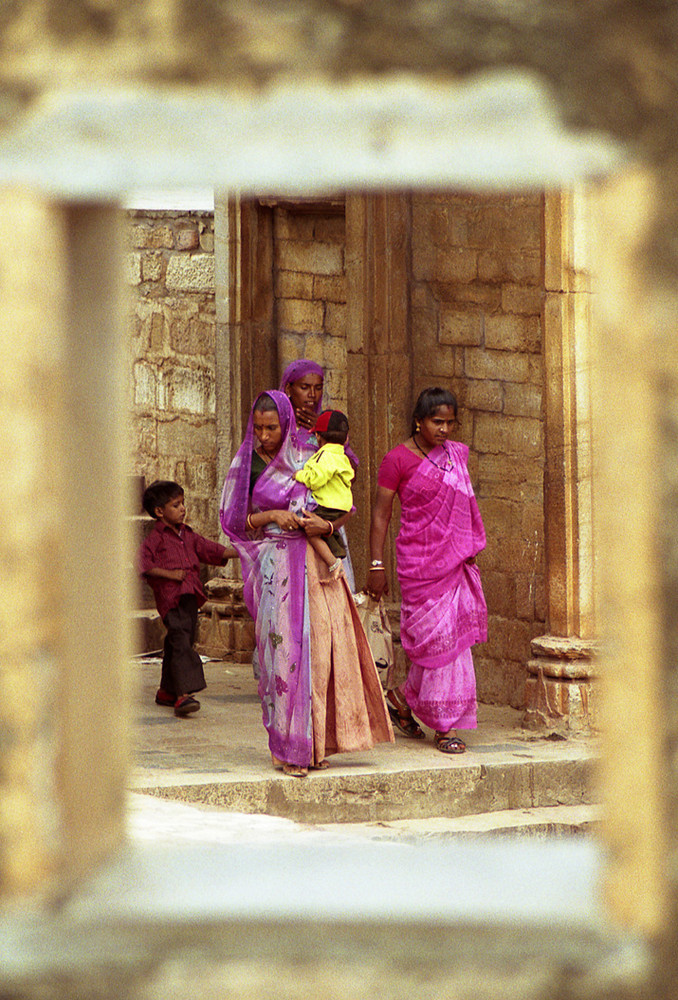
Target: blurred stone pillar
[[379, 353], [65, 562], [559, 690], [636, 456]]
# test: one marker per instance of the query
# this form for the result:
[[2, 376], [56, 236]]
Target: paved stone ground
[[210, 777]]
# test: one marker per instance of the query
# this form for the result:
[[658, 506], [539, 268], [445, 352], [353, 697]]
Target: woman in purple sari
[[318, 684], [443, 610], [303, 381]]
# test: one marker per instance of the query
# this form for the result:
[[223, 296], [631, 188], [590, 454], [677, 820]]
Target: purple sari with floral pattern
[[443, 610], [273, 567]]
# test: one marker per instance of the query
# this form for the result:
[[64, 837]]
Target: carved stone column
[[559, 691], [379, 351], [246, 347]]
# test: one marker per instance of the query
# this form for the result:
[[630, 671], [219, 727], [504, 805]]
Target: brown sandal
[[401, 716]]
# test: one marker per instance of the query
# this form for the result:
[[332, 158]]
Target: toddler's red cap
[[325, 422]]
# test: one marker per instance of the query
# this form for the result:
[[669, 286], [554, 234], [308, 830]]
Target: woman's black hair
[[265, 404], [429, 401], [159, 493]]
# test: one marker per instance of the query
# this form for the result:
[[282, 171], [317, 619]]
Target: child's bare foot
[[336, 570]]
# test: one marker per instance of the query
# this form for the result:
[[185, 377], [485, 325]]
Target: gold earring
[[418, 426]]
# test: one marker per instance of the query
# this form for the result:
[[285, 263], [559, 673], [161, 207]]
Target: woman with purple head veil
[[303, 382], [318, 684]]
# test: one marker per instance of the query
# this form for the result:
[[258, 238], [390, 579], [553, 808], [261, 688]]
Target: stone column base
[[225, 629], [560, 692]]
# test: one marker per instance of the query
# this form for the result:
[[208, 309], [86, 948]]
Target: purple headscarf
[[293, 372], [297, 370], [274, 577]]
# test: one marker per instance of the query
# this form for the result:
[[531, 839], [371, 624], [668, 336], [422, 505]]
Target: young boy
[[328, 475], [170, 559]]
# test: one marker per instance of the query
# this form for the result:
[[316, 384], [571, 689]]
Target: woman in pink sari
[[319, 688], [443, 611]]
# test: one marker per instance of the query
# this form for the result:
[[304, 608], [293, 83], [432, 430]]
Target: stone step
[[469, 788], [539, 822]]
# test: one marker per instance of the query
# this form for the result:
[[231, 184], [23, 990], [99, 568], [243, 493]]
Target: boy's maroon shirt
[[165, 549]]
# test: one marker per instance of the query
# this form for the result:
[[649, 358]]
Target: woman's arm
[[285, 519], [314, 525], [381, 518]]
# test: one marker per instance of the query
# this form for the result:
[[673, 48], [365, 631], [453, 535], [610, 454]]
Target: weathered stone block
[[313, 258], [523, 400], [501, 366], [500, 593], [152, 265], [329, 288], [456, 264], [145, 383], [292, 225], [152, 237], [335, 319], [200, 476], [133, 268], [424, 325], [511, 223], [189, 389], [460, 327], [294, 285], [526, 299], [187, 238], [510, 267], [207, 241], [474, 293], [509, 332], [484, 395], [333, 353], [300, 315], [191, 274], [179, 435], [499, 682], [330, 229], [194, 335]]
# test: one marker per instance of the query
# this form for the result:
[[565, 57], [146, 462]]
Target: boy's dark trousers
[[182, 671], [334, 541]]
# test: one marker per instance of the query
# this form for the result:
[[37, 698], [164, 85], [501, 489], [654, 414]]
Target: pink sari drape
[[443, 611]]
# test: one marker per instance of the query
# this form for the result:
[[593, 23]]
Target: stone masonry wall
[[310, 292], [477, 295], [173, 424]]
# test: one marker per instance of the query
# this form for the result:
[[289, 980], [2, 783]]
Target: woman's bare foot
[[294, 771], [322, 765]]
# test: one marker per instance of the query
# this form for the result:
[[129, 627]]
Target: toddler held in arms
[[328, 475]]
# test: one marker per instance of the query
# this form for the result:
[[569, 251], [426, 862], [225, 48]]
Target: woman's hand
[[314, 525], [285, 519], [377, 584], [305, 418]]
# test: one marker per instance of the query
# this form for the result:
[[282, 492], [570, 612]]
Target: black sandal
[[449, 744], [402, 719]]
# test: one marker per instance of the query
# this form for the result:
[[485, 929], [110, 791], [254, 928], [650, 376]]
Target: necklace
[[443, 468]]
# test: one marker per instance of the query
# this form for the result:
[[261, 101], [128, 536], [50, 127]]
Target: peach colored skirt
[[348, 707]]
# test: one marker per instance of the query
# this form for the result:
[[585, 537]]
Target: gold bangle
[[331, 531], [248, 523]]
